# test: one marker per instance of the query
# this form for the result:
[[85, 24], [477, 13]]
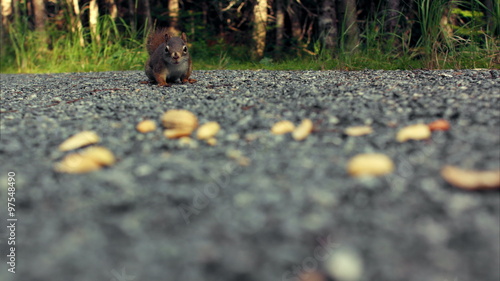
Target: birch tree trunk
[[6, 12], [93, 21], [5, 18], [351, 31], [40, 15], [76, 21], [112, 9], [173, 14], [259, 27], [328, 24]]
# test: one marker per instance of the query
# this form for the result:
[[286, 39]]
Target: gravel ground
[[256, 206]]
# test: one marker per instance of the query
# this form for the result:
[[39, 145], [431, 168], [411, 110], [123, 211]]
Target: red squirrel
[[169, 58]]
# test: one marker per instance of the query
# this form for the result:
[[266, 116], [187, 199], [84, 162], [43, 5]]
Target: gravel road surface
[[255, 206]]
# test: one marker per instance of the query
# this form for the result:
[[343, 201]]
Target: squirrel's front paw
[[191, 81], [164, 84]]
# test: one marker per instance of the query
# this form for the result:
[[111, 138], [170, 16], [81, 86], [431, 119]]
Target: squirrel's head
[[176, 49]]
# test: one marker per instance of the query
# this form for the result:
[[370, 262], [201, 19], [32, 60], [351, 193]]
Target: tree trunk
[[280, 25], [205, 8], [493, 16], [112, 9], [328, 24], [76, 21], [40, 14], [6, 12], [5, 18], [149, 19], [295, 22], [173, 14], [350, 25], [131, 12], [259, 27], [446, 23], [393, 14], [93, 21]]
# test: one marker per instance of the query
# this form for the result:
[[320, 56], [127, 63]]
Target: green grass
[[56, 50], [66, 55]]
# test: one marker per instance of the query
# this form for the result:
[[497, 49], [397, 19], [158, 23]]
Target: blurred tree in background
[[263, 29]]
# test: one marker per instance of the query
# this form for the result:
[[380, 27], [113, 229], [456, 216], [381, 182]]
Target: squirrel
[[169, 58]]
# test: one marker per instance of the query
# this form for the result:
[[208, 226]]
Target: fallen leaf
[[439, 125], [471, 179]]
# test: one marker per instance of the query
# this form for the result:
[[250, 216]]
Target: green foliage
[[467, 41], [467, 14], [444, 44], [57, 50], [433, 40]]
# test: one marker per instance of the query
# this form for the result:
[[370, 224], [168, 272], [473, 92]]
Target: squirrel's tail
[[155, 39]]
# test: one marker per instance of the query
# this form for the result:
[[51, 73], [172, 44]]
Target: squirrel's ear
[[167, 36], [184, 37]]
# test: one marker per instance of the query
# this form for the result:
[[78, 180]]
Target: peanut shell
[[79, 140], [414, 132], [179, 123], [471, 179], [282, 127], [303, 130], [100, 155], [146, 126], [370, 164], [356, 131], [208, 130], [76, 163], [90, 159]]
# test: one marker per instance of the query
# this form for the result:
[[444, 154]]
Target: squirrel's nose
[[175, 55]]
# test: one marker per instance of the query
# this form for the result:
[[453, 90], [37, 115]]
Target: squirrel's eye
[[167, 49], [184, 49]]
